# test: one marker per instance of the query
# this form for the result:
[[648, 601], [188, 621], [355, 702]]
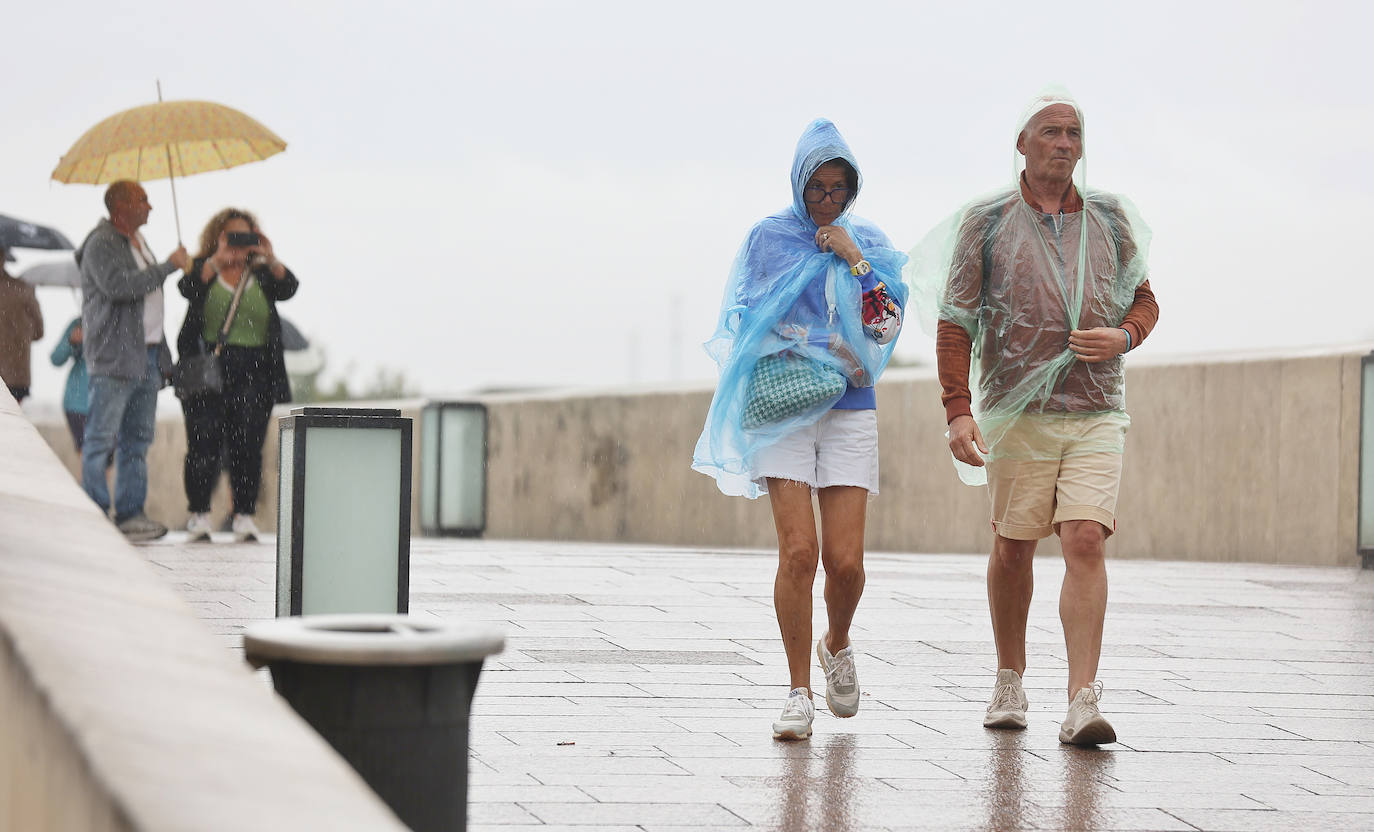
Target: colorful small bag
[[785, 385]]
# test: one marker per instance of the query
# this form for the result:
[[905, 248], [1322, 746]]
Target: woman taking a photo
[[236, 277], [811, 311]]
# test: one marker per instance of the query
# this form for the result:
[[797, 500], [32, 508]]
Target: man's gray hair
[[118, 192]]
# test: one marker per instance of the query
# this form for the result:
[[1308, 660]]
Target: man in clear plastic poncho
[[811, 312], [1040, 290]]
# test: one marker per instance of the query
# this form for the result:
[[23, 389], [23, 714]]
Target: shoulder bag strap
[[233, 308]]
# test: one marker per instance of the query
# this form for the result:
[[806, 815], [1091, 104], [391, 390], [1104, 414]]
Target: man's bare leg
[[1083, 598], [1011, 582]]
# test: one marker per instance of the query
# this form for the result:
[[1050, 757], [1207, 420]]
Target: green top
[[250, 323]]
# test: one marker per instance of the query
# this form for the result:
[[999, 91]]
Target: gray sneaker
[[797, 716], [139, 528], [841, 680], [1085, 724], [1008, 706]]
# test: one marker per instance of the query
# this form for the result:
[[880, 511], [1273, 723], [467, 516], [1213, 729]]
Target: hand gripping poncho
[[1017, 281], [767, 309]]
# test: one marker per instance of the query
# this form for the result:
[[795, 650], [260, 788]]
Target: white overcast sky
[[531, 193]]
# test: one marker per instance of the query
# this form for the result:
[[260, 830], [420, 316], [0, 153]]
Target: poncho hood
[[820, 142]]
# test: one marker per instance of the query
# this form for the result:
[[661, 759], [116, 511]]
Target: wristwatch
[[860, 268]]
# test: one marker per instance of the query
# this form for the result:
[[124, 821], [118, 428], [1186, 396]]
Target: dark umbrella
[[57, 273], [291, 338], [301, 358], [19, 234]]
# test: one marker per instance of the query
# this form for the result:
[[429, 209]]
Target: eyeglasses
[[815, 193]]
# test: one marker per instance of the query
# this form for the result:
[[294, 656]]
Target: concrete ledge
[[121, 711], [1238, 457], [1230, 457]]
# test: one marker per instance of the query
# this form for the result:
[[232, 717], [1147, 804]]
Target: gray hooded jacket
[[113, 289]]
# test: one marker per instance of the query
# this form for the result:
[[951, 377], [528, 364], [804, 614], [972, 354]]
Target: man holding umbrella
[[126, 354], [21, 323]]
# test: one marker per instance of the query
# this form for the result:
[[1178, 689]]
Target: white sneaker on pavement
[[245, 530], [139, 528], [198, 527], [1085, 724], [841, 679], [797, 716], [1008, 706]]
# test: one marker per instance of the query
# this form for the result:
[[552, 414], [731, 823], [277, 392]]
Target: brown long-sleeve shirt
[[1012, 268]]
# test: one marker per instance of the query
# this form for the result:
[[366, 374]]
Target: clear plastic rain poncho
[[785, 294], [1017, 281]]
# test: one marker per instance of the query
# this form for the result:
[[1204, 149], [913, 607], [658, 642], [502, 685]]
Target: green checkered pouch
[[786, 385]]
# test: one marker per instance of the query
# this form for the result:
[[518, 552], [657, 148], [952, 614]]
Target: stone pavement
[[639, 684]]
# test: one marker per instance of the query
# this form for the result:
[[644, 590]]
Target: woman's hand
[[264, 249], [835, 239], [220, 261]]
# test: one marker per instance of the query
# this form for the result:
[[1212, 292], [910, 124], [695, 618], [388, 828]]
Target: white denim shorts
[[839, 449]]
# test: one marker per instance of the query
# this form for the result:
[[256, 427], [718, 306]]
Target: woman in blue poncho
[[811, 311]]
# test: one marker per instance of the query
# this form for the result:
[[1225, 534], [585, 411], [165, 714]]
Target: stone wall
[[120, 710], [1248, 457], [1236, 458]]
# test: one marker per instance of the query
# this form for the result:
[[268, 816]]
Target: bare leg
[[1083, 598], [843, 513], [1011, 582], [798, 554]]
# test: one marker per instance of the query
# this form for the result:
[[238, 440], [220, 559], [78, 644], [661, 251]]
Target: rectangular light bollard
[[343, 519], [453, 469]]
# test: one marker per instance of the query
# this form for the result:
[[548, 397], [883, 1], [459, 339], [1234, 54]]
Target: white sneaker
[[1008, 706], [797, 716], [841, 680], [1085, 724], [245, 530], [198, 527]]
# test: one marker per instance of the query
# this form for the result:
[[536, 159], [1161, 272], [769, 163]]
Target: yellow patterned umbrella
[[166, 140], [180, 137]]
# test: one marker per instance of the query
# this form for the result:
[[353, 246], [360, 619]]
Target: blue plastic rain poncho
[[1017, 281], [786, 295]]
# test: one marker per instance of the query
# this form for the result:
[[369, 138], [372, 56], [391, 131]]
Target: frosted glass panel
[[429, 467], [285, 479], [352, 520], [462, 467]]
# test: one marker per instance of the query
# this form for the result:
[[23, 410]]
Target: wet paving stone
[[639, 684], [638, 657]]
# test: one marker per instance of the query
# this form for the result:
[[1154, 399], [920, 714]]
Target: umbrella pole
[[176, 212], [171, 179]]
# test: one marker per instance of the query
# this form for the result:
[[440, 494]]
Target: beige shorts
[[1049, 468]]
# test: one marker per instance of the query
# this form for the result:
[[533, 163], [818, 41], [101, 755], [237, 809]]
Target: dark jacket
[[195, 291]]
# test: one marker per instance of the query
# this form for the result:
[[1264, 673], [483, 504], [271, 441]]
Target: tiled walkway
[[638, 687]]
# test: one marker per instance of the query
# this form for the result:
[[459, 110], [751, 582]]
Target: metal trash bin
[[392, 694]]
